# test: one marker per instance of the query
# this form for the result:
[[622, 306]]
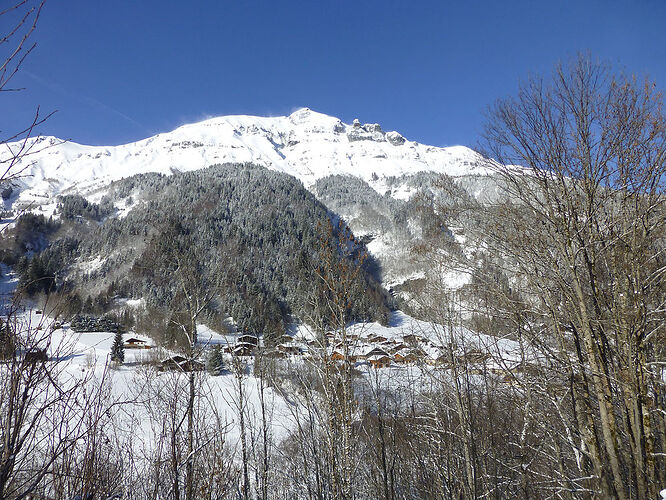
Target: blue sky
[[118, 71]]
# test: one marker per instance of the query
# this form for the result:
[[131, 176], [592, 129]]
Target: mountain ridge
[[306, 144]]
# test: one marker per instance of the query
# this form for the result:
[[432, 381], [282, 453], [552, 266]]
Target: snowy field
[[89, 355]]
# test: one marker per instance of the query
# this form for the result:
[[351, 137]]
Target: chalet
[[412, 338], [35, 355], [134, 343], [193, 365], [248, 339], [180, 363], [399, 356], [474, 356], [337, 356], [243, 349], [406, 357], [289, 349], [397, 347], [379, 361], [173, 363], [435, 357], [377, 351], [376, 339]]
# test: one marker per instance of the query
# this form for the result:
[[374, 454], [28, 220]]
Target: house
[[376, 351], [337, 356], [399, 356], [443, 360], [248, 339], [289, 348], [412, 338], [379, 361], [474, 356], [193, 365], [243, 349], [180, 363], [397, 347], [173, 363], [35, 355], [405, 356], [134, 343], [376, 339]]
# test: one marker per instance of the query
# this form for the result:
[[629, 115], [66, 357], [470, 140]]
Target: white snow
[[305, 144]]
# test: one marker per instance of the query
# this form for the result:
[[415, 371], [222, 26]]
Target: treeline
[[73, 205], [254, 236]]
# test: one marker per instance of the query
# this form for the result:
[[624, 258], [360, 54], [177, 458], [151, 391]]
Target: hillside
[[250, 239], [373, 179]]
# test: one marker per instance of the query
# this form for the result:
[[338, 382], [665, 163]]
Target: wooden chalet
[[397, 347], [407, 357], [134, 343], [379, 361], [337, 356], [243, 349], [437, 358], [181, 363], [376, 351], [248, 339], [289, 349], [412, 338], [474, 356]]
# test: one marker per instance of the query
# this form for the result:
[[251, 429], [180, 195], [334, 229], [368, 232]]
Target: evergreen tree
[[215, 361], [6, 341], [118, 348]]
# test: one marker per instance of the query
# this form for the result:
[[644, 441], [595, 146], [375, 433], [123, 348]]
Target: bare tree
[[20, 17], [45, 413], [579, 231]]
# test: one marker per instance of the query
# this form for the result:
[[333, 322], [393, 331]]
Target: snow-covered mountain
[[305, 144]]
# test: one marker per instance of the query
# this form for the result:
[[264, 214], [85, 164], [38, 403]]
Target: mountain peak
[[305, 144]]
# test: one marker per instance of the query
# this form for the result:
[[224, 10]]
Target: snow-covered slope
[[305, 144]]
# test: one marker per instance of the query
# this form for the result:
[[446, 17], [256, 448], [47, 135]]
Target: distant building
[[134, 343], [180, 363], [379, 360]]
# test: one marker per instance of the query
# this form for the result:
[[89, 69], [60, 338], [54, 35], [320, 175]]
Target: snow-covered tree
[[118, 348]]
